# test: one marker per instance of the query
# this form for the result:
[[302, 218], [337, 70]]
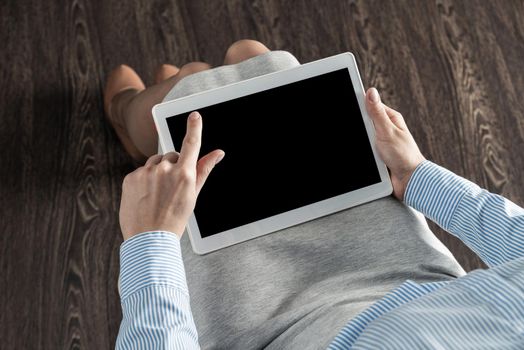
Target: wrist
[[401, 180], [139, 232], [408, 178], [128, 238]]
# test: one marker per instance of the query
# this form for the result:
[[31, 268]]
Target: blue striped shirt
[[481, 310]]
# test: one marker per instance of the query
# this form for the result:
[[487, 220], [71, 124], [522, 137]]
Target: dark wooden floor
[[454, 69]]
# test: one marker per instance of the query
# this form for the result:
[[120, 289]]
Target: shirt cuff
[[151, 258], [436, 192]]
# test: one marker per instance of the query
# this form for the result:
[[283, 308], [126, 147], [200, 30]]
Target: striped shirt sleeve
[[154, 295], [489, 224]]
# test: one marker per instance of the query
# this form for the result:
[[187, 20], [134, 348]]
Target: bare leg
[[165, 72], [130, 107], [244, 49], [128, 104]]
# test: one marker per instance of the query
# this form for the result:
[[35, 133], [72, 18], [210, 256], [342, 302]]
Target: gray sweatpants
[[297, 287]]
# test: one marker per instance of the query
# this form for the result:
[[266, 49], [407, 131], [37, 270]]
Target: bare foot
[[165, 72], [122, 85]]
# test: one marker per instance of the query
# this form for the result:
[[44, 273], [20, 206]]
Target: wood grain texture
[[453, 68]]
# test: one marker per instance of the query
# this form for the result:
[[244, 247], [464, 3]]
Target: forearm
[[154, 294], [489, 224]]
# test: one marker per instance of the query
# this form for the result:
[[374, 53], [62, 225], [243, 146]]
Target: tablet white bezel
[[296, 216]]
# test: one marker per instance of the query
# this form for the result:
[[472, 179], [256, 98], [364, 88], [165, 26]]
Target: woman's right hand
[[394, 142]]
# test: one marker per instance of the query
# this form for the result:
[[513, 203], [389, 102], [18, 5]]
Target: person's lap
[[311, 277], [299, 286]]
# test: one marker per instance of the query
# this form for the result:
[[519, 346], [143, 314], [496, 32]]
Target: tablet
[[299, 145]]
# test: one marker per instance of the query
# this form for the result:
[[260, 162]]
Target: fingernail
[[374, 96], [194, 115], [219, 158]]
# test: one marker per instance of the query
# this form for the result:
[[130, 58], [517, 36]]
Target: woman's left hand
[[161, 195]]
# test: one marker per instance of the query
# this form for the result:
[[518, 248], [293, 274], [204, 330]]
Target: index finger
[[191, 144]]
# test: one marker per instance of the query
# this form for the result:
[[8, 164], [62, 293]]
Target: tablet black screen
[[285, 148]]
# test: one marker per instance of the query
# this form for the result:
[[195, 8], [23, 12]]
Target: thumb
[[377, 112], [205, 165]]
